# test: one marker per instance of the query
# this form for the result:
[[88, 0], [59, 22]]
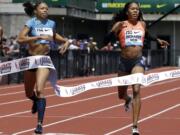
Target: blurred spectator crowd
[[11, 49], [91, 45]]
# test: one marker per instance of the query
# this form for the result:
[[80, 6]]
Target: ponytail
[[118, 17], [29, 8]]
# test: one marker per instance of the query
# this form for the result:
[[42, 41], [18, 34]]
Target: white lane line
[[97, 111], [11, 93], [94, 117], [62, 134], [24, 100], [14, 93], [60, 81], [69, 116], [71, 102], [144, 119], [64, 81], [58, 105], [11, 87]]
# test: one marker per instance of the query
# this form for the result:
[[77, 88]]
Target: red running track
[[95, 112]]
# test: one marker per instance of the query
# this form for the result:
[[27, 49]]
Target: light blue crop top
[[38, 28]]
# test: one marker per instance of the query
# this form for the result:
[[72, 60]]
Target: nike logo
[[136, 32], [176, 4], [160, 5]]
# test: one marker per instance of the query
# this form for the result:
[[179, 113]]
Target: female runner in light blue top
[[39, 33]]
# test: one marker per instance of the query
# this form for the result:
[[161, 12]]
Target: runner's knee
[[136, 93], [39, 93]]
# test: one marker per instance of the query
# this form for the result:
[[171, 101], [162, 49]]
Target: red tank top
[[132, 35]]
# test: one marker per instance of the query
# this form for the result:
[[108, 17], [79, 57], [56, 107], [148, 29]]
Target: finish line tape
[[32, 62]]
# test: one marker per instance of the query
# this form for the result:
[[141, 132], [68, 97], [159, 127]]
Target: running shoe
[[128, 103], [135, 131], [38, 129]]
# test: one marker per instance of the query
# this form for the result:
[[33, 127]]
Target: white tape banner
[[137, 78], [45, 62]]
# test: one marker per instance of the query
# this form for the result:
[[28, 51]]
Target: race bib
[[133, 37], [44, 31]]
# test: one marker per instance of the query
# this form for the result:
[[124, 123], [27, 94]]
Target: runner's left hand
[[63, 49], [163, 43]]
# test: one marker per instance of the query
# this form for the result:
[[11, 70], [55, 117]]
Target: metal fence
[[83, 63]]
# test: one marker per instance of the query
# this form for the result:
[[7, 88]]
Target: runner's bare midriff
[[39, 49], [131, 52]]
